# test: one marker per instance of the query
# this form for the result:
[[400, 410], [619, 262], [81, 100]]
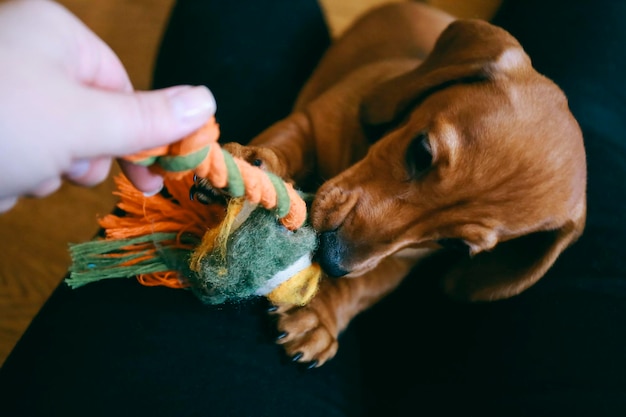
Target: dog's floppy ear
[[511, 266], [467, 50]]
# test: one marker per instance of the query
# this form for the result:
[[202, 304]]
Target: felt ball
[[255, 252]]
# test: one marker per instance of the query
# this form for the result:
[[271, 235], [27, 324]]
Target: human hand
[[67, 106]]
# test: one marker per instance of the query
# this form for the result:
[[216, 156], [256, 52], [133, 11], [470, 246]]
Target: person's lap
[[117, 348]]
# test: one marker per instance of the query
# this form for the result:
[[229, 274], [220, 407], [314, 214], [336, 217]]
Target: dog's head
[[475, 150]]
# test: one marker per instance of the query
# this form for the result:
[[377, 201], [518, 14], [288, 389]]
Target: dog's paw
[[308, 334]]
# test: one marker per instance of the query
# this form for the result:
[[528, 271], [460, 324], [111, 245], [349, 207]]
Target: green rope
[[104, 258], [236, 185]]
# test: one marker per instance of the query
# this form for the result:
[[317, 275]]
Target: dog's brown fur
[[506, 181]]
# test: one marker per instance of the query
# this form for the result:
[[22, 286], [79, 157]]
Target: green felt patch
[[255, 252]]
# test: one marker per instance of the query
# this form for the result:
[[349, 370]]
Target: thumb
[[127, 123]]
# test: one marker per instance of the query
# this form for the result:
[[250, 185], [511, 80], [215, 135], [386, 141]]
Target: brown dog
[[428, 132]]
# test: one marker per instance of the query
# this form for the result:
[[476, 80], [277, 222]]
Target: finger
[[45, 188], [122, 124], [146, 181], [88, 173], [98, 66]]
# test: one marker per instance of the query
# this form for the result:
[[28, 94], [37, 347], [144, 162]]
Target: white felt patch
[[303, 262]]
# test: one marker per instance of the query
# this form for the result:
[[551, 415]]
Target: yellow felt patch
[[299, 289]]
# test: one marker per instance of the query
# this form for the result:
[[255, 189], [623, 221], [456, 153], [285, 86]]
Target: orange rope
[[259, 189], [168, 279], [148, 215], [178, 214]]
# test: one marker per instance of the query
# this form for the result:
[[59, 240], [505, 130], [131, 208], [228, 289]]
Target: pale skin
[[68, 108]]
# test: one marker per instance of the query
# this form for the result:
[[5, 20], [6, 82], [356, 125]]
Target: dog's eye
[[419, 156]]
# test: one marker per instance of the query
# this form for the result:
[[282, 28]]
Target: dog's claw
[[281, 336], [312, 365], [296, 357]]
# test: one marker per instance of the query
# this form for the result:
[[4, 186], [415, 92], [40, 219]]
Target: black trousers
[[117, 348]]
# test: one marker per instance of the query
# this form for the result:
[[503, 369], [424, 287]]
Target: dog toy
[[257, 243]]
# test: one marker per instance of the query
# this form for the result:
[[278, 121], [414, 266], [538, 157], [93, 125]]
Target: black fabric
[[253, 55], [555, 350], [120, 349], [559, 349]]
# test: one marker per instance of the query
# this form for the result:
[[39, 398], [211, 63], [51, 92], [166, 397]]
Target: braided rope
[[200, 153]]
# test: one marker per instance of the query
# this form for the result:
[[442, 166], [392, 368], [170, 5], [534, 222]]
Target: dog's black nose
[[330, 253]]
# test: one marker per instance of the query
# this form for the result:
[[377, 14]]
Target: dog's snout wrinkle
[[330, 254], [331, 206]]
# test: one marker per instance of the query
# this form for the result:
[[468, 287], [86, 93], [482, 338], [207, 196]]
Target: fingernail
[[153, 193], [192, 104], [78, 168]]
